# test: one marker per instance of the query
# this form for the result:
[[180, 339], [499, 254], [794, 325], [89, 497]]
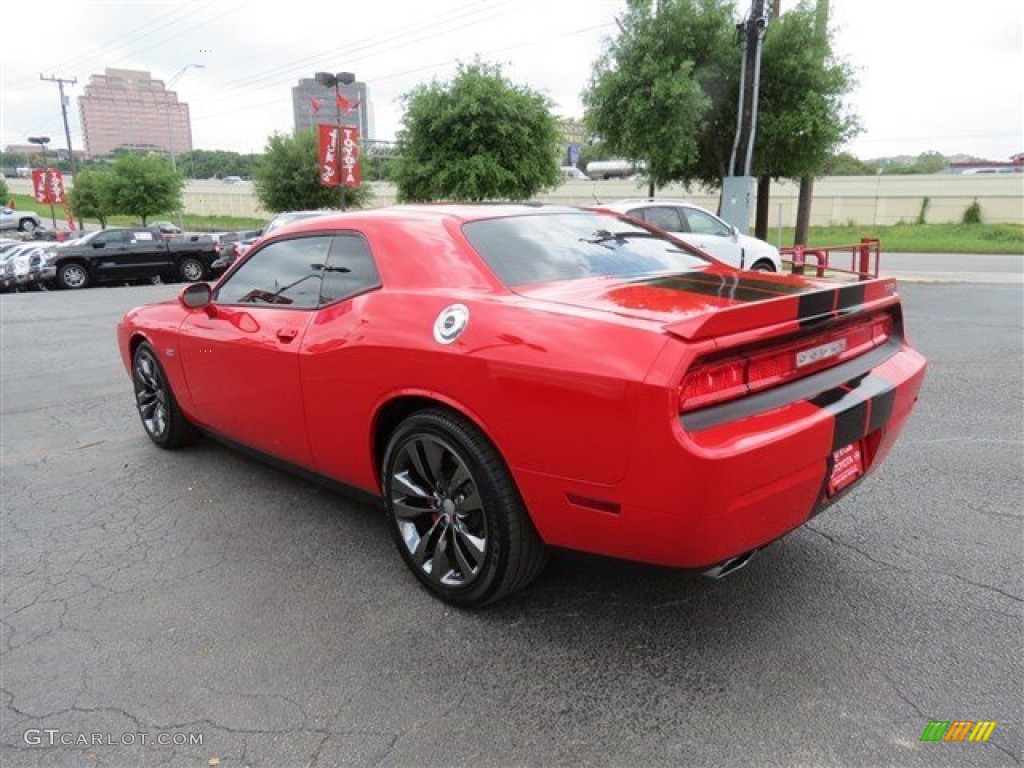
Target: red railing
[[865, 258]]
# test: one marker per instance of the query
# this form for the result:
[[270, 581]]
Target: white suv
[[696, 226]]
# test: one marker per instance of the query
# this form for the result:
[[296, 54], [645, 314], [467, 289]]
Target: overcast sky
[[929, 79]]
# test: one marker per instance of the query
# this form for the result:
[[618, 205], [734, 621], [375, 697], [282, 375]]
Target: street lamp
[[337, 80]]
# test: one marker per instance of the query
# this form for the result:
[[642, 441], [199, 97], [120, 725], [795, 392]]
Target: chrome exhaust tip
[[731, 565]]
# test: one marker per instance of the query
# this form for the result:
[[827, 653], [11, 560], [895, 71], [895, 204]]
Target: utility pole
[[803, 206], [64, 112], [737, 187]]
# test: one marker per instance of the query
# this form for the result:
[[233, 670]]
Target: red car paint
[[576, 382]]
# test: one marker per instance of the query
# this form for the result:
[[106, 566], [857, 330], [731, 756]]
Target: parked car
[[24, 221], [21, 266], [572, 173], [701, 228], [125, 254], [166, 229], [512, 377]]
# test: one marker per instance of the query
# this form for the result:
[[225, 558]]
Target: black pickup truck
[[125, 254]]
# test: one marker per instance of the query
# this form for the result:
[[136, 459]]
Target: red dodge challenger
[[511, 378]]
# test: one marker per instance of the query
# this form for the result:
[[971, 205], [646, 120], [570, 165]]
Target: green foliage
[[845, 164], [287, 178], [4, 192], [667, 89], [144, 186], [91, 195], [973, 214], [923, 213], [216, 164], [927, 162], [801, 117], [652, 95], [478, 137]]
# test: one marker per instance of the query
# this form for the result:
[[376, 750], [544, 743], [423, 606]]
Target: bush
[[4, 192], [973, 214]]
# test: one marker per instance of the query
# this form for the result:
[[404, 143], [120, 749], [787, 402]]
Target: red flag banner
[[55, 186], [315, 104], [330, 168], [350, 175], [48, 186], [39, 184], [343, 104]]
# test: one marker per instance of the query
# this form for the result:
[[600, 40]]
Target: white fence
[[858, 200]]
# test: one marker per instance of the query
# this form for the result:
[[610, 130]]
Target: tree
[[802, 120], [288, 177], [478, 137], [4, 192], [845, 164], [144, 186], [91, 195], [662, 88]]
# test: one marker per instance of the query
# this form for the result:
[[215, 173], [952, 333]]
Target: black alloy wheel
[[163, 421], [454, 511]]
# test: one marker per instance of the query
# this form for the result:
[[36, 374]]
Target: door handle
[[286, 334]]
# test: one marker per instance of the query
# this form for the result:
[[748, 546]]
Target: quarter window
[[287, 273], [350, 270]]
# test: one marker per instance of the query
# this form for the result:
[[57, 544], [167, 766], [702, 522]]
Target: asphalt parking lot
[[205, 593]]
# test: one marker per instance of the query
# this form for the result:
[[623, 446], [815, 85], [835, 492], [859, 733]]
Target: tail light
[[717, 381]]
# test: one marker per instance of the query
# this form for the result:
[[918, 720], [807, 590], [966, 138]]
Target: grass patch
[[920, 238]]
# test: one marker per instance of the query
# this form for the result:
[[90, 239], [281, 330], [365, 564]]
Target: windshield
[[567, 246]]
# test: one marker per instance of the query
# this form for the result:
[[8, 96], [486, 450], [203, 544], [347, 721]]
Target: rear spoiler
[[816, 305]]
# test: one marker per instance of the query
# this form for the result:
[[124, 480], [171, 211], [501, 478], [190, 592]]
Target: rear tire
[[454, 511], [763, 266], [191, 270], [72, 276], [27, 225], [161, 417]]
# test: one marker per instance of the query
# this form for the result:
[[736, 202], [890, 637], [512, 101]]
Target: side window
[[287, 273], [350, 269], [665, 218], [705, 224]]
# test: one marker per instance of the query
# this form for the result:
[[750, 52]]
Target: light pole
[[328, 80], [170, 135]]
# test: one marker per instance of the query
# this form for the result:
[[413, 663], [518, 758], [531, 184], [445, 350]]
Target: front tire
[[161, 417], [191, 270], [27, 225], [763, 266], [72, 276], [455, 513]]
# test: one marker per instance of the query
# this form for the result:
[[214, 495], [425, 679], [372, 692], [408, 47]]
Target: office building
[[130, 108]]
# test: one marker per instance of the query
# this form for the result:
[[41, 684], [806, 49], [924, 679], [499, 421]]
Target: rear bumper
[[703, 496]]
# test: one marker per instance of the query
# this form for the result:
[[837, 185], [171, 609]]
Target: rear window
[[544, 248]]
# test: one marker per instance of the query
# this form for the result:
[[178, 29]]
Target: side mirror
[[735, 232], [196, 295]]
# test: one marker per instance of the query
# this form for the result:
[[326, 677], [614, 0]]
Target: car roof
[[458, 212], [647, 202]]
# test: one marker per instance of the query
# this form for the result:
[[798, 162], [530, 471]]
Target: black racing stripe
[[850, 423], [881, 409], [812, 305], [851, 296], [732, 287], [859, 407]]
